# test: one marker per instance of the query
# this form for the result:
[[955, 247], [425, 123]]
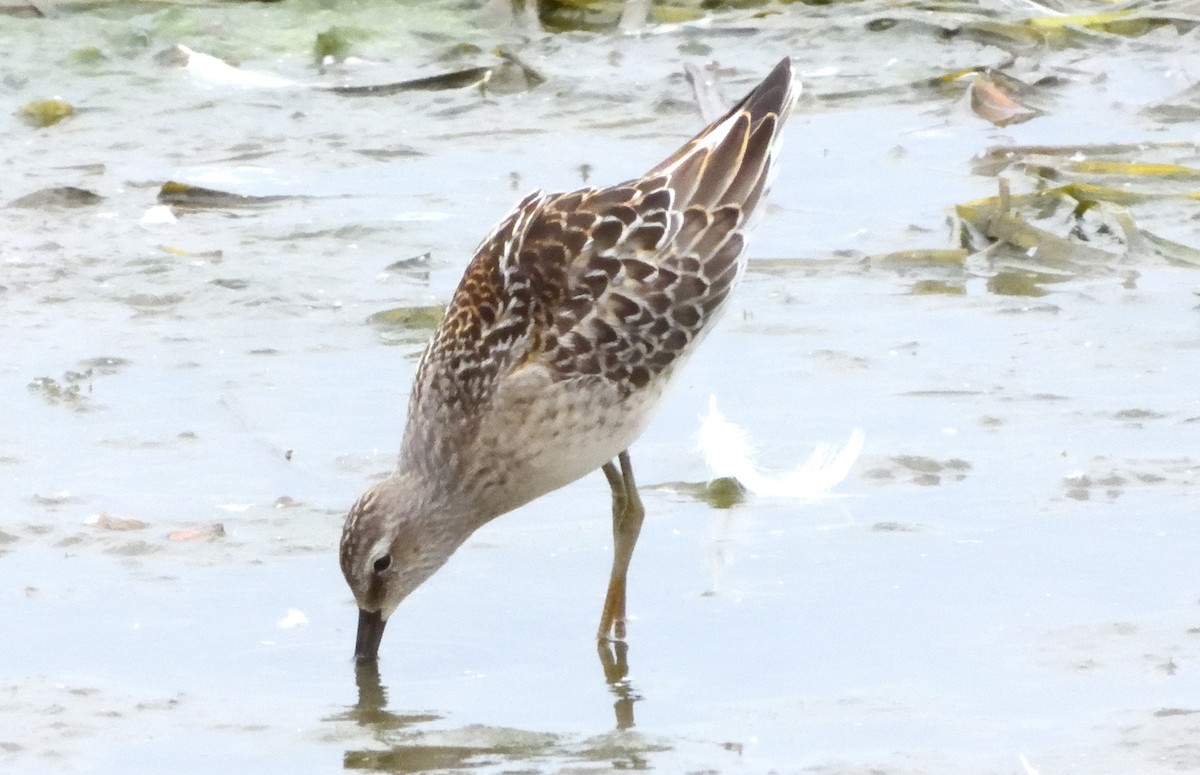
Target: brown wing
[[615, 283]]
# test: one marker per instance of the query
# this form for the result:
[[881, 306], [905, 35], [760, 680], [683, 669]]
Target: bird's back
[[589, 300]]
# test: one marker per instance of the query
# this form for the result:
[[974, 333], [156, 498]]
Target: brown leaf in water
[[106, 521], [207, 533], [992, 103]]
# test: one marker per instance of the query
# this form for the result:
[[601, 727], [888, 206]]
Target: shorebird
[[567, 326]]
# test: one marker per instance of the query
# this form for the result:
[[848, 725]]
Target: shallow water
[[1011, 573]]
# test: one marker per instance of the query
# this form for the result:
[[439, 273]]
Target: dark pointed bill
[[370, 632]]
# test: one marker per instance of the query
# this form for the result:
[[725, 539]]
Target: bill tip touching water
[[569, 322]]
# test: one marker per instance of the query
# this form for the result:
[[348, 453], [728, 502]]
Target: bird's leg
[[628, 513]]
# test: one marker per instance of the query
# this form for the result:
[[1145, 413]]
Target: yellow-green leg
[[628, 514]]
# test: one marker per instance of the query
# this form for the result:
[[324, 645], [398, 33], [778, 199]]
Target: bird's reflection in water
[[371, 709], [371, 712], [405, 747], [614, 658]]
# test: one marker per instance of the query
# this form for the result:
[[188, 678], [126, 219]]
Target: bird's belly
[[563, 434]]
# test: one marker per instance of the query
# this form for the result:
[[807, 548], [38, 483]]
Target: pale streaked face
[[391, 543]]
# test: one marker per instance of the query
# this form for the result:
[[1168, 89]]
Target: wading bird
[[570, 321]]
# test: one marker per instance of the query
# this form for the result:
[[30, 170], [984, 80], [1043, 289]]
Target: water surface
[[1011, 573]]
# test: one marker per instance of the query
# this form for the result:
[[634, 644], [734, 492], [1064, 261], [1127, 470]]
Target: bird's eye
[[383, 563]]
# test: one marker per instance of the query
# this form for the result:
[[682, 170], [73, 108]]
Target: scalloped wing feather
[[617, 283]]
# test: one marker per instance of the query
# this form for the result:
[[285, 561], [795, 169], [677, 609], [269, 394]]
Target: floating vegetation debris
[[1081, 215], [993, 94], [995, 220], [393, 151], [724, 492], [1112, 477], [403, 325], [510, 76], [893, 527], [424, 318], [21, 10], [187, 196], [951, 257], [579, 15], [458, 79], [57, 393], [1015, 283], [70, 392], [57, 196], [1086, 211], [44, 113], [331, 45], [1056, 30], [937, 288], [417, 263], [919, 470]]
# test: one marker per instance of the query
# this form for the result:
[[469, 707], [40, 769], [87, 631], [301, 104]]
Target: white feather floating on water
[[215, 71], [729, 453], [158, 215], [1029, 770], [293, 618]]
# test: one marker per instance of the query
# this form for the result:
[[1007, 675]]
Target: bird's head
[[393, 540]]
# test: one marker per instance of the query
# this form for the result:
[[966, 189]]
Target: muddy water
[[190, 406]]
